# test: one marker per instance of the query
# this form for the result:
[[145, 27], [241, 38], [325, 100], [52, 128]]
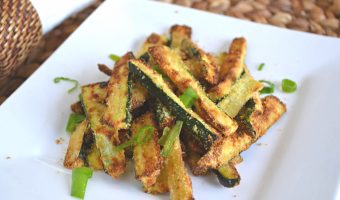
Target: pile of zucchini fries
[[144, 95]]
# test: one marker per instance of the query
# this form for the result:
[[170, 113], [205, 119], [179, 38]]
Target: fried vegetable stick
[[178, 178], [230, 70], [202, 65], [148, 160], [72, 159], [118, 101], [93, 99], [225, 149], [172, 65]]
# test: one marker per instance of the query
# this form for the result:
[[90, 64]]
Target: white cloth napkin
[[53, 12]]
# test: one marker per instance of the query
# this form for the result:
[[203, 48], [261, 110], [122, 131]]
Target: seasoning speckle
[[59, 140], [8, 157], [261, 144]]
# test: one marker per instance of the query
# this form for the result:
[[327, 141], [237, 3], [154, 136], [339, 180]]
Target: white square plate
[[299, 157]]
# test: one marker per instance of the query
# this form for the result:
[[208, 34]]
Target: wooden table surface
[[315, 16]]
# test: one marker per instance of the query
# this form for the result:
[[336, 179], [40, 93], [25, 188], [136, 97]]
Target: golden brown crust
[[105, 136], [181, 29], [148, 160], [227, 148], [72, 159], [194, 151], [139, 96], [77, 108], [161, 186], [273, 109], [178, 178], [152, 40], [172, 65], [105, 69], [230, 70], [117, 94]]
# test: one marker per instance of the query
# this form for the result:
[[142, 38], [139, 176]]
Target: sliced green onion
[[267, 90], [144, 134], [173, 134], [80, 177], [114, 57], [124, 145], [288, 86], [164, 137], [260, 67], [188, 97], [73, 120], [76, 83]]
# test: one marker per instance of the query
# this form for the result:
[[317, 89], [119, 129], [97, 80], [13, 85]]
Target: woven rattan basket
[[20, 31]]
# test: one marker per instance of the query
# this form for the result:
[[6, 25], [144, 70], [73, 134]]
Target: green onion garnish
[[73, 120], [189, 97], [173, 134], [76, 83], [260, 67], [114, 57], [164, 137], [80, 177], [144, 135], [124, 145], [267, 90], [288, 86]]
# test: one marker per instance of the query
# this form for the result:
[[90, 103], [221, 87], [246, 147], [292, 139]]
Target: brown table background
[[315, 16]]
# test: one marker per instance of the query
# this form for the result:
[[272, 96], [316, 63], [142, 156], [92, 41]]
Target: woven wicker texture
[[20, 31]]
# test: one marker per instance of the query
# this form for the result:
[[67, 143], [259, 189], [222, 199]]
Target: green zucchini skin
[[228, 175], [190, 122], [228, 182], [93, 99]]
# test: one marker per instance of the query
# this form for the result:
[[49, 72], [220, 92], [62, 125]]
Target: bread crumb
[[59, 140], [261, 144]]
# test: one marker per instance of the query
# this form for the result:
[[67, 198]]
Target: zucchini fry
[[153, 40], [201, 65], [230, 70], [172, 65], [228, 175], [118, 101], [178, 33], [93, 99], [157, 87], [148, 160], [139, 94], [225, 149], [72, 159], [161, 186], [93, 158], [240, 93], [178, 178]]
